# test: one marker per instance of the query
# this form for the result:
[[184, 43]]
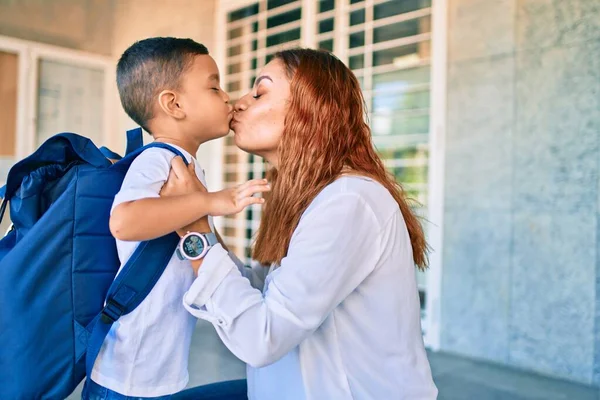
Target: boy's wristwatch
[[194, 245]]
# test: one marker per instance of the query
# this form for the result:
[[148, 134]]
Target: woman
[[338, 316]]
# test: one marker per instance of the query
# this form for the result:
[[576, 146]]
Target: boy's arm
[[150, 218], [141, 214], [220, 239]]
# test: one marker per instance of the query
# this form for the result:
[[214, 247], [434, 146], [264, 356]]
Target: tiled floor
[[456, 378], [459, 378]]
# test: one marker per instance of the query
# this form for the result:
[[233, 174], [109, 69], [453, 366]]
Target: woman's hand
[[182, 180]]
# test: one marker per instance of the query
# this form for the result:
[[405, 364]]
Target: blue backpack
[[58, 293]]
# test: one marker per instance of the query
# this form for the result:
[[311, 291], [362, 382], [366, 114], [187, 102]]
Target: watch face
[[193, 246]]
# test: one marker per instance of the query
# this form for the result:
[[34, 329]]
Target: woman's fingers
[[167, 188], [178, 167], [172, 177]]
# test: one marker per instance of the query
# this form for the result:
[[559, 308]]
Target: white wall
[[75, 24]]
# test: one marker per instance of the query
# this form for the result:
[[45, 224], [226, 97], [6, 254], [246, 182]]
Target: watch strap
[[211, 238]]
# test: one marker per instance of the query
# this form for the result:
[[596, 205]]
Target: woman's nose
[[240, 105]]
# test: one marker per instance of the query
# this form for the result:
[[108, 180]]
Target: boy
[[170, 87]]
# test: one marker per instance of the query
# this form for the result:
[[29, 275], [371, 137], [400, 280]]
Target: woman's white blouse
[[339, 318]]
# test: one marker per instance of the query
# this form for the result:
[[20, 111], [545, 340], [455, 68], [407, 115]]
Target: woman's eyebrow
[[260, 78]]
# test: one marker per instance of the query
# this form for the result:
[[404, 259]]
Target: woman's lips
[[233, 121]]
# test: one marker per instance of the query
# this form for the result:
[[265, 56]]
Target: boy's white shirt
[[145, 354]]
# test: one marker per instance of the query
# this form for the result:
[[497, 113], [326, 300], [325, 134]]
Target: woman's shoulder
[[369, 192]]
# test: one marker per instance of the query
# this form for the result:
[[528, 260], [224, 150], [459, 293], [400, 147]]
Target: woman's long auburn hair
[[325, 133]]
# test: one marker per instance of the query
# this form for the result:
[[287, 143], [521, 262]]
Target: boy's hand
[[183, 180]]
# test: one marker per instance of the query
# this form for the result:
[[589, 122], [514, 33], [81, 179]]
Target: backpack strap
[[135, 140], [4, 202], [136, 279], [108, 153], [130, 288], [131, 156]]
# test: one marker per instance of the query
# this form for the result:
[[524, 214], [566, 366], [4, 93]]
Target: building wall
[[76, 24], [108, 27], [521, 266]]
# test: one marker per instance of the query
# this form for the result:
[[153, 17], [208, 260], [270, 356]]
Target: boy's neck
[[188, 145]]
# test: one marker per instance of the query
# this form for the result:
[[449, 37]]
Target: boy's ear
[[167, 100]]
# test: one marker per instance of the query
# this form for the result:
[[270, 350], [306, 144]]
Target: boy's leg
[[93, 391], [229, 390]]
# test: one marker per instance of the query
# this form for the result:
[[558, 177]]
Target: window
[[70, 98], [64, 92], [389, 49], [251, 43], [387, 43]]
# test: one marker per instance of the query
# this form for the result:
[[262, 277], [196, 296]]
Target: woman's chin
[[237, 139]]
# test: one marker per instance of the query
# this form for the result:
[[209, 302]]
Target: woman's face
[[259, 116]]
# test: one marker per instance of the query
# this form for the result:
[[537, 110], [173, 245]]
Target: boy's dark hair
[[150, 66]]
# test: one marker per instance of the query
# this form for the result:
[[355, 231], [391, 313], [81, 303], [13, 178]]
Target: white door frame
[[437, 151], [29, 54]]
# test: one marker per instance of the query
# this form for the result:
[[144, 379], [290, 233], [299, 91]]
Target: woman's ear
[[167, 100]]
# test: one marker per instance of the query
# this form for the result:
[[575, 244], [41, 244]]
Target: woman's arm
[[256, 274], [334, 248]]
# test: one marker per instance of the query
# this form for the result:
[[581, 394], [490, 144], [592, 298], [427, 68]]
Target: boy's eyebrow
[[260, 78], [214, 77]]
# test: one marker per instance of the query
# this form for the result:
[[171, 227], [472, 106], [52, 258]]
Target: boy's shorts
[[93, 391]]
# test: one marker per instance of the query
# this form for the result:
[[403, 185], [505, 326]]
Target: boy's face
[[206, 106]]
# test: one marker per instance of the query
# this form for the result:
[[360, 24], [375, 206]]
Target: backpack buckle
[[9, 230], [111, 312]]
